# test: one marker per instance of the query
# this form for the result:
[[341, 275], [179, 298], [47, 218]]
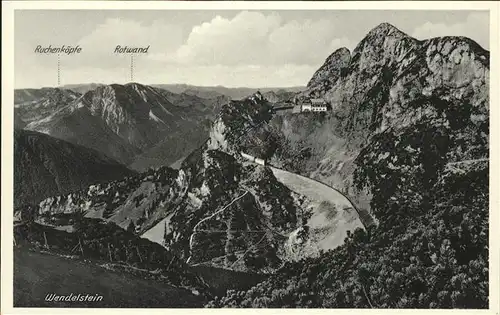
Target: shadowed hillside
[[45, 166]]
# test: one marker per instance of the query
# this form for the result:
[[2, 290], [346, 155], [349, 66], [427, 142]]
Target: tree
[[131, 227]]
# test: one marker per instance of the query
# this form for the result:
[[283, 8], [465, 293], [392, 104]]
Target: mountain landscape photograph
[[252, 159]]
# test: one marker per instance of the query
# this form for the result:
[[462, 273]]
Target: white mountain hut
[[318, 105], [314, 105]]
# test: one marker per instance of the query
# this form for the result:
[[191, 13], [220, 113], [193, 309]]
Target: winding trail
[[469, 161], [208, 218], [247, 251]]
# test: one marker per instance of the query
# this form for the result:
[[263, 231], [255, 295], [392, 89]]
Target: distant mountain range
[[82, 88], [33, 105], [125, 122], [206, 92], [213, 91]]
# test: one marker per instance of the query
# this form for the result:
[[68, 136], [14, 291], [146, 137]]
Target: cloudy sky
[[230, 48]]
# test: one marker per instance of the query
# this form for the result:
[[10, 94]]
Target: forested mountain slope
[[45, 166]]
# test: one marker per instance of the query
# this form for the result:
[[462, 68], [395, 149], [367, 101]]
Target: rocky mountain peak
[[394, 82], [133, 84], [123, 101], [234, 121], [331, 70], [121, 90], [383, 43], [386, 29], [340, 55], [139, 88], [103, 90]]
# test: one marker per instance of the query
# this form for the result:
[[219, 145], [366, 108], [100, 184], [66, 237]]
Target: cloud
[[251, 48], [472, 27], [160, 35], [305, 42], [98, 46], [255, 38]]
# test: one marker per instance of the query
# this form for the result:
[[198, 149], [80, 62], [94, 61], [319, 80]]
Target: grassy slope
[[37, 274]]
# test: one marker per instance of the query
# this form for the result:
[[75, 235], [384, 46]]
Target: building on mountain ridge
[[310, 105]]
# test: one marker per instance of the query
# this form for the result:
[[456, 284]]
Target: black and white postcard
[[187, 155]]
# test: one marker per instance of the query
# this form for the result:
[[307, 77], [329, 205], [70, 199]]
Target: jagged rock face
[[234, 207], [114, 104], [334, 68], [235, 120], [45, 166], [390, 70], [135, 112], [407, 81]]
